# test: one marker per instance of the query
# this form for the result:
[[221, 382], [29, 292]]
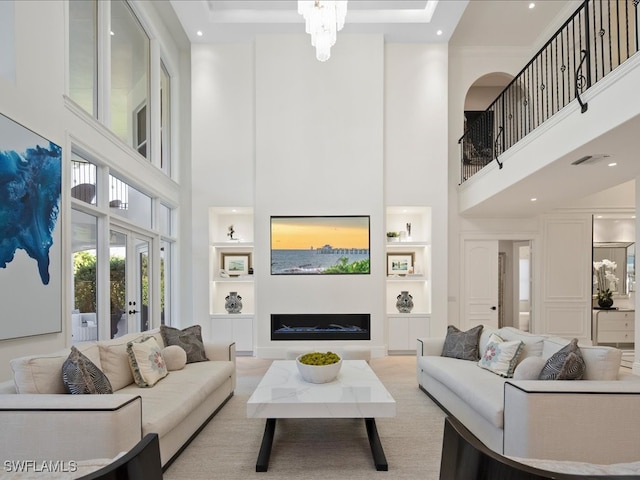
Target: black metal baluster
[[545, 91], [626, 28], [634, 19], [617, 39], [603, 54]]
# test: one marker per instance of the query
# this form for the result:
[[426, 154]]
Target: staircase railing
[[596, 39]]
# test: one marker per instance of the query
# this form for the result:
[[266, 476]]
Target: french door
[[129, 281]]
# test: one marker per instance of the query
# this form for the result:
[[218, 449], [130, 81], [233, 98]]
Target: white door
[[480, 274], [129, 271]]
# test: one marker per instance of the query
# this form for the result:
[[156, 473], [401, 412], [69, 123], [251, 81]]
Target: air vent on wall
[[590, 159]]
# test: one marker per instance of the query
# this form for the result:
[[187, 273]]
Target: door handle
[[131, 312], [494, 308]]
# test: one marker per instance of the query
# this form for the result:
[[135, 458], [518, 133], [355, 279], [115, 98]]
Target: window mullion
[[104, 63], [154, 124]]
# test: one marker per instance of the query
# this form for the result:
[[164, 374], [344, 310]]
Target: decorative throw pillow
[[566, 364], [146, 361], [190, 339], [463, 345], [500, 357], [529, 368], [80, 375], [175, 357]]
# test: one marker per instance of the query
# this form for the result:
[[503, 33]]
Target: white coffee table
[[355, 393]]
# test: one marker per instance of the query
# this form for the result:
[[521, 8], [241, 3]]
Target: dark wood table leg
[[262, 465], [376, 447]]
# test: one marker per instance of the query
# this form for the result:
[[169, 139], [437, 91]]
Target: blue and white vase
[[404, 302], [233, 303]]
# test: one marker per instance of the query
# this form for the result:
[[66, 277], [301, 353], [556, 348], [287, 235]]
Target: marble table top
[[355, 393]]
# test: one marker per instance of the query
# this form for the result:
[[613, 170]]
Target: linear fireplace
[[321, 326]]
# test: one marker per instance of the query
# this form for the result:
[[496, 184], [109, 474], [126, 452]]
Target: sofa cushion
[[462, 345], [190, 339], [487, 331], [601, 362], [500, 356], [80, 375], [115, 360], [533, 344], [175, 357], [566, 364], [170, 402], [146, 362], [42, 373], [529, 368], [480, 389]]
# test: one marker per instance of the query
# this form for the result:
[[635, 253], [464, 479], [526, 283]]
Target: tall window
[[122, 81], [129, 77], [83, 54]]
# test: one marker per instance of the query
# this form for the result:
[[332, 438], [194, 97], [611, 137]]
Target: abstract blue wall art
[[30, 251]]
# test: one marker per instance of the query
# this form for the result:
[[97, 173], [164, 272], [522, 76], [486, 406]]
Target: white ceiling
[[239, 21], [475, 22], [464, 23]]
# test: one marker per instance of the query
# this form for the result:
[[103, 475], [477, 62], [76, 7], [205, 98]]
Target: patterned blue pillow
[[80, 375], [566, 364]]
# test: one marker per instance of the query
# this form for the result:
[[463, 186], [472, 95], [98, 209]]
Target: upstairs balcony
[[569, 113]]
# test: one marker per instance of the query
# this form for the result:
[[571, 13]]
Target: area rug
[[322, 449]]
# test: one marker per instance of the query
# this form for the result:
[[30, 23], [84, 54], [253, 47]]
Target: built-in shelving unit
[[237, 327], [408, 263]]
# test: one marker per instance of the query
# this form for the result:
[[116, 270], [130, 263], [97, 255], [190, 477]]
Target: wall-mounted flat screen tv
[[320, 245]]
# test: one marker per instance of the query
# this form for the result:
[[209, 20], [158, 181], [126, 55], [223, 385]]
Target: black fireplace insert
[[321, 326]]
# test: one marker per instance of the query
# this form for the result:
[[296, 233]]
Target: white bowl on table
[[318, 373]]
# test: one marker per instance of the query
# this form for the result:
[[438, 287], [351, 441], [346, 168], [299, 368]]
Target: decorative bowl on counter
[[317, 367]]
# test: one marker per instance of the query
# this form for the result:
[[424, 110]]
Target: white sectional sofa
[[596, 419], [40, 421]]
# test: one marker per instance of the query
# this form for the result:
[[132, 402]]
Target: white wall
[[35, 101], [415, 147], [319, 151], [222, 146], [298, 137]]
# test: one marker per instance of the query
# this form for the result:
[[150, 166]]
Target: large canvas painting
[[30, 238]]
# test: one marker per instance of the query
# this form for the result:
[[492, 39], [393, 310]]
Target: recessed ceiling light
[[612, 164], [532, 5], [199, 33], [439, 32], [633, 216], [534, 199], [598, 216], [111, 33]]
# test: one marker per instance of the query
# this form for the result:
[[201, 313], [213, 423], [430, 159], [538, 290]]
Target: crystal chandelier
[[322, 21]]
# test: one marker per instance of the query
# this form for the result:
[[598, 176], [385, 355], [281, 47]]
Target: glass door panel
[[140, 306], [84, 324], [118, 283]]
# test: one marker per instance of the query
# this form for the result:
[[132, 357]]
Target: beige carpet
[[325, 449]]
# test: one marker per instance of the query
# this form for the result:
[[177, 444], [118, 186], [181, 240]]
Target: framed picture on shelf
[[236, 264], [400, 263]]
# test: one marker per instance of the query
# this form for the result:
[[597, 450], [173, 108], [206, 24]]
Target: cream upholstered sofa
[[596, 419], [35, 404]]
